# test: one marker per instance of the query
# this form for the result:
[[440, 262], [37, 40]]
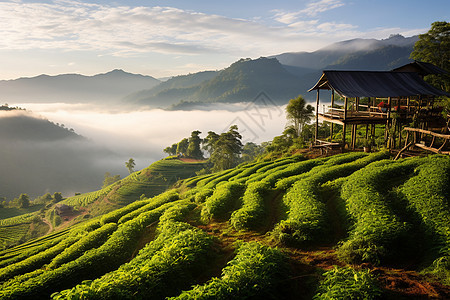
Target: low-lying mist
[[143, 134]]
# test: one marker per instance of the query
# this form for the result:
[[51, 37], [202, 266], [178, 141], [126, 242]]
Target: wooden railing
[[434, 135]]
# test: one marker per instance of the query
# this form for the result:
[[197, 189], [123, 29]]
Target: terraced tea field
[[353, 225]]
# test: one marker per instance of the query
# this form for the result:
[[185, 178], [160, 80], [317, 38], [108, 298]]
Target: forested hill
[[282, 76], [349, 226], [240, 82], [39, 156]]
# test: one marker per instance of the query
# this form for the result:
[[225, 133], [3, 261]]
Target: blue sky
[[164, 38]]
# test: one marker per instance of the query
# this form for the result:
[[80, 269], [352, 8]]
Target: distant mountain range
[[281, 77], [101, 88]]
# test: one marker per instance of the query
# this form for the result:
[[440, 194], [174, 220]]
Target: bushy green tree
[[182, 146], [209, 141], [57, 197], [193, 149], [171, 150], [227, 149], [250, 151], [130, 164], [23, 201], [299, 113], [434, 47]]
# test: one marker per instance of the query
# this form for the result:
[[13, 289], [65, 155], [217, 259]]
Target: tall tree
[[227, 149], [434, 47], [299, 113], [23, 201], [193, 149], [130, 164], [209, 141], [182, 146]]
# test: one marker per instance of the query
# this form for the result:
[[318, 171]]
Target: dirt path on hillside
[[305, 266], [50, 229]]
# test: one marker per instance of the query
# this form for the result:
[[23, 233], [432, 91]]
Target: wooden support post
[[357, 104], [354, 127], [317, 118], [344, 127], [345, 124], [367, 131], [345, 108], [331, 125], [407, 137]]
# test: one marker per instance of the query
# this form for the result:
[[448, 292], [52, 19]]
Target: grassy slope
[[149, 182], [357, 214]]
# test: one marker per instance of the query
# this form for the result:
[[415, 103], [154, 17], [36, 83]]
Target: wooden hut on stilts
[[393, 99]]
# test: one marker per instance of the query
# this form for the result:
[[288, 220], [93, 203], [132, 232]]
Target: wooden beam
[[431, 149], [440, 135]]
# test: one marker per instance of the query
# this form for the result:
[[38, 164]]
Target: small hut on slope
[[392, 98]]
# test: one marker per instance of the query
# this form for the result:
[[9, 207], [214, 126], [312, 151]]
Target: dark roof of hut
[[376, 84], [422, 68]]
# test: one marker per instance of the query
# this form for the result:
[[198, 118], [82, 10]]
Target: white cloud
[[316, 7], [124, 31]]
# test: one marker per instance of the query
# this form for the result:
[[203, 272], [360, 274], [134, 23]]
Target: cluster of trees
[[23, 201], [188, 147], [225, 150]]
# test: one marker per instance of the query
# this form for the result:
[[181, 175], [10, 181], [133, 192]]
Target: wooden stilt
[[331, 125], [316, 135], [344, 128]]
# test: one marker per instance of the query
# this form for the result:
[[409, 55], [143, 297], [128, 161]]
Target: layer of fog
[[142, 135]]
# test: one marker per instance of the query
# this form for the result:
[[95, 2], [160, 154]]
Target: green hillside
[[151, 181], [349, 226]]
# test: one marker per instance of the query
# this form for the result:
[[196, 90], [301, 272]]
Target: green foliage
[[226, 150], [193, 149], [223, 201], [427, 195], [182, 146], [348, 283], [155, 202], [203, 194], [434, 47], [148, 249], [130, 164], [161, 268], [109, 256], [377, 230], [91, 240], [37, 260], [307, 220], [254, 209], [299, 113], [110, 179], [256, 272]]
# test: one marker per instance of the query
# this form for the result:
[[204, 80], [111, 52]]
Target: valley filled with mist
[[117, 115]]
